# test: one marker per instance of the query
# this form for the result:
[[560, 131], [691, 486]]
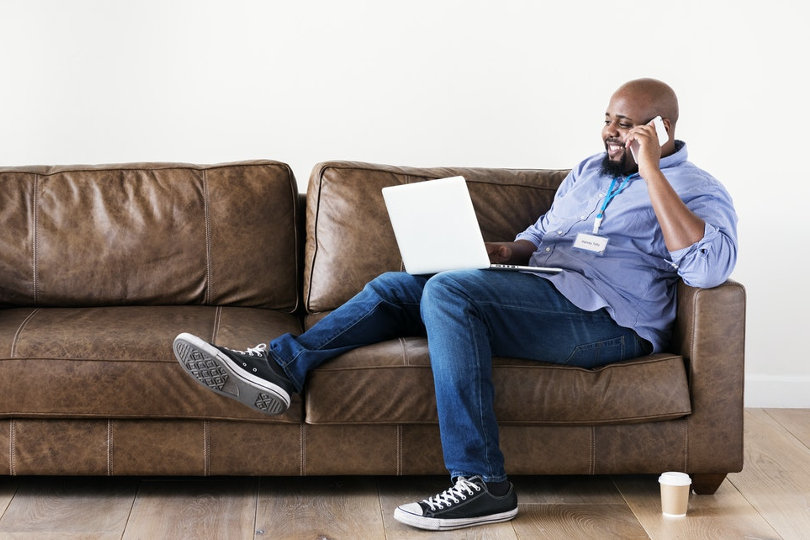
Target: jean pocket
[[598, 353]]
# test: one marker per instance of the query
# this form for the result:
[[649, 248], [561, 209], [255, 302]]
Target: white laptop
[[436, 229]]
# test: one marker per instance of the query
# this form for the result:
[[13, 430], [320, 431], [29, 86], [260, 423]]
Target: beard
[[614, 168]]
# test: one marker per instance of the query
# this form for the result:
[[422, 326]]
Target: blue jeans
[[468, 316]]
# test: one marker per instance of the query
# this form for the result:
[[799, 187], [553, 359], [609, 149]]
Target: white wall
[[506, 83]]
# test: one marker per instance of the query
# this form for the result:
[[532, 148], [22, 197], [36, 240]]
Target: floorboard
[[50, 508], [769, 499], [578, 520], [8, 487], [333, 508], [726, 514], [775, 478], [206, 508], [796, 421]]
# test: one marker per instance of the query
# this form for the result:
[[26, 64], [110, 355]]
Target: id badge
[[591, 242]]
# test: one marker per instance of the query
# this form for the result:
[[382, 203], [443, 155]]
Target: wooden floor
[[770, 498]]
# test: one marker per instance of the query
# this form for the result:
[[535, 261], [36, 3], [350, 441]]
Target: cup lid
[[675, 479]]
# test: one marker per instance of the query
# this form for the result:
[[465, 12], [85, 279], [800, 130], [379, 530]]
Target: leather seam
[[298, 246], [110, 467], [302, 449], [217, 323], [685, 445], [11, 447], [399, 449], [35, 239], [418, 172], [19, 331], [158, 166], [405, 361], [693, 330], [208, 272], [593, 449], [206, 449], [314, 258]]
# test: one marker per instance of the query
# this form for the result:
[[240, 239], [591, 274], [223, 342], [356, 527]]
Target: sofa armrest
[[710, 335]]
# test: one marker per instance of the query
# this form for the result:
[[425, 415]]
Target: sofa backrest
[[149, 233], [349, 237]]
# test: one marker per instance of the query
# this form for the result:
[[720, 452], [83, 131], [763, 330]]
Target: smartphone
[[660, 130]]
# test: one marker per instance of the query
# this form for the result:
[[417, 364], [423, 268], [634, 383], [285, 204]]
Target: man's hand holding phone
[[640, 141], [659, 130]]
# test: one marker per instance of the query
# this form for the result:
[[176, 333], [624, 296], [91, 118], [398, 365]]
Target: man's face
[[623, 113]]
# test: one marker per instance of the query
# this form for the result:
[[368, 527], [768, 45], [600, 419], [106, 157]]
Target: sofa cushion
[[349, 237], [117, 362], [392, 382], [156, 233]]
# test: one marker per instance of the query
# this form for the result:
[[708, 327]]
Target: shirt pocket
[[566, 217]]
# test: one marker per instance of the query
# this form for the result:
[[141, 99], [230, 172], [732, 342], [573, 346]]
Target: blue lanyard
[[611, 193]]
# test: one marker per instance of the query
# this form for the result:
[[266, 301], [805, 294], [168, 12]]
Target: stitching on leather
[[11, 433], [208, 274], [299, 248], [314, 258], [217, 323], [158, 166], [35, 239], [685, 425], [405, 361], [206, 449], [302, 448], [438, 172], [109, 447], [399, 449], [20, 331], [694, 326]]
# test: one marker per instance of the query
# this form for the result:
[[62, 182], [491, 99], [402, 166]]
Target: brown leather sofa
[[100, 267]]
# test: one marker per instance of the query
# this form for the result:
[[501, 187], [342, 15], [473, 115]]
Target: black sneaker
[[465, 504], [246, 376]]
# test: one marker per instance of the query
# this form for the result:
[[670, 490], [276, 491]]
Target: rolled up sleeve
[[709, 261]]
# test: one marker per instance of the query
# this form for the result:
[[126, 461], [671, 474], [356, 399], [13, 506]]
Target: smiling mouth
[[615, 150]]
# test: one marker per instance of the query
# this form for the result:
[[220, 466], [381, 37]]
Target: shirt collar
[[676, 158]]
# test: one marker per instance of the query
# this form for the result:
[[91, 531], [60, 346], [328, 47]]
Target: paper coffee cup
[[675, 488]]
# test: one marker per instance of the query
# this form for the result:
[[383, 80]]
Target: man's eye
[[625, 126]]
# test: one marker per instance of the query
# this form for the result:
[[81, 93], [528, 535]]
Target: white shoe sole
[[437, 524], [214, 370]]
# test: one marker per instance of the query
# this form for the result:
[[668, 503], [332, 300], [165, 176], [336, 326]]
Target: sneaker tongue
[[473, 480]]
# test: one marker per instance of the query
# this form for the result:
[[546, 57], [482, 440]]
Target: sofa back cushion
[[349, 237], [150, 233]]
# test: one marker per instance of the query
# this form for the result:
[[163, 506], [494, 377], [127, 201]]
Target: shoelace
[[452, 495], [252, 351]]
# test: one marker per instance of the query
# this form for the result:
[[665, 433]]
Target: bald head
[[651, 98], [634, 103]]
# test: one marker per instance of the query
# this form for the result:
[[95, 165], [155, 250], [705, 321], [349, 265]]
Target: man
[[625, 233]]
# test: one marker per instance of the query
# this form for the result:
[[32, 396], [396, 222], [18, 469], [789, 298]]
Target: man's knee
[[446, 289], [396, 285]]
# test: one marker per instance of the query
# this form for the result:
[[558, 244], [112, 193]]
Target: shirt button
[[560, 233], [548, 249], [582, 217]]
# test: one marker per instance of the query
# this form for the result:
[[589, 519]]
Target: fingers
[[498, 252], [644, 136]]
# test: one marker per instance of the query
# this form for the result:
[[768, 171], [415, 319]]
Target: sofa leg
[[707, 484]]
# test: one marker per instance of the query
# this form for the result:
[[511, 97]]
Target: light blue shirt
[[635, 278]]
